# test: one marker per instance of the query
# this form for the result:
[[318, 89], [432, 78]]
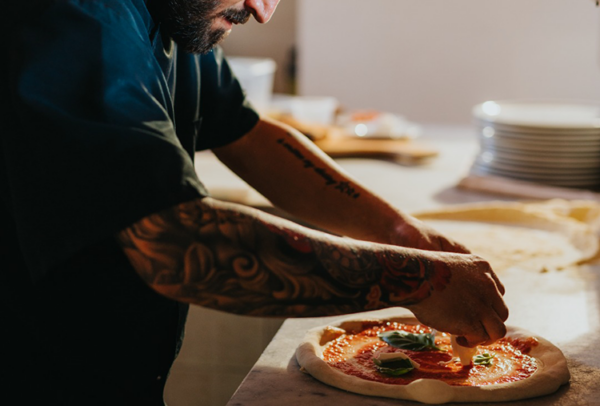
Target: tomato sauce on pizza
[[354, 352]]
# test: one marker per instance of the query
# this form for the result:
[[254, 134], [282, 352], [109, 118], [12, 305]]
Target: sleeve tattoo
[[242, 263]]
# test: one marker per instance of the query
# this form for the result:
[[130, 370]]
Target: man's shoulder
[[110, 11]]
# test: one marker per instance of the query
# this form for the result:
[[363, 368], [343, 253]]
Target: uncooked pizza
[[400, 358]]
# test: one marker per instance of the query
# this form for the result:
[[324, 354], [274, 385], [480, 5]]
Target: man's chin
[[202, 45]]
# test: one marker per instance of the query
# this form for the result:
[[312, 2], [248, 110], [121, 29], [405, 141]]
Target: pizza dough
[[552, 371], [533, 236]]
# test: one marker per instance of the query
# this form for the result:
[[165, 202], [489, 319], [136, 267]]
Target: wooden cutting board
[[404, 151], [334, 142]]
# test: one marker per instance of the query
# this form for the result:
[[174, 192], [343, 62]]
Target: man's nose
[[262, 10]]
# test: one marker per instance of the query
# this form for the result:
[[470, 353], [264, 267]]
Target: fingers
[[471, 306], [488, 331], [496, 301], [477, 336], [495, 312], [490, 327], [451, 246], [486, 268], [499, 284], [494, 327], [487, 324], [417, 234], [491, 330], [500, 308]]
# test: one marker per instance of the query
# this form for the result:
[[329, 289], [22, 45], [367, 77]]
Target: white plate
[[491, 161], [591, 181], [582, 153], [544, 160], [535, 130], [524, 145], [547, 136], [540, 114], [589, 184]]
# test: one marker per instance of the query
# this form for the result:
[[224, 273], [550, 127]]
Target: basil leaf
[[409, 341], [394, 372], [483, 359], [395, 367]]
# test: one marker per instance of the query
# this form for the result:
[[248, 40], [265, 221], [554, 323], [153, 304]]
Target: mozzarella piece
[[331, 333], [465, 354], [391, 356]]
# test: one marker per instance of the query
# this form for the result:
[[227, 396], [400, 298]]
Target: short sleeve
[[94, 147], [226, 112]]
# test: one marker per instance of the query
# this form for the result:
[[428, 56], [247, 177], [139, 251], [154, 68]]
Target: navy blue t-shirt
[[100, 115]]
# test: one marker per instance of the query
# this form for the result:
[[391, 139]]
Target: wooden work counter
[[562, 307]]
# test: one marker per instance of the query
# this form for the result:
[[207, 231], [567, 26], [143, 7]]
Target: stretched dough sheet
[[539, 236]]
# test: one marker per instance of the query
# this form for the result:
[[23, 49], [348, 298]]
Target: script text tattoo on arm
[[343, 186]]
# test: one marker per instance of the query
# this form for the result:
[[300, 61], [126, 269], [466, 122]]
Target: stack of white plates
[[552, 143]]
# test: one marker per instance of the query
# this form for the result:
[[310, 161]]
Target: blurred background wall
[[431, 60]]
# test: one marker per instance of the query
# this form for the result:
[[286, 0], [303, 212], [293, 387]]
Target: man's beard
[[189, 23]]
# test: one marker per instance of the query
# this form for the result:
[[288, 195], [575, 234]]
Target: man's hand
[[413, 233], [466, 301]]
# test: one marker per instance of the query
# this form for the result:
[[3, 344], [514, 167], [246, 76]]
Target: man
[[109, 233]]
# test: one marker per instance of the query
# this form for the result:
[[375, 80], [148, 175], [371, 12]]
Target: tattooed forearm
[[253, 264], [343, 186]]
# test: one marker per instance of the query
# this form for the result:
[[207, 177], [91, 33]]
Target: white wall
[[432, 60]]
